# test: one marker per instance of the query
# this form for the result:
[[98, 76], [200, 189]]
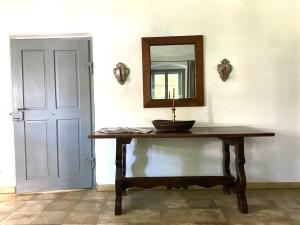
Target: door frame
[[87, 37]]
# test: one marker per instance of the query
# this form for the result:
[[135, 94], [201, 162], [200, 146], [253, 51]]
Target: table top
[[220, 132]]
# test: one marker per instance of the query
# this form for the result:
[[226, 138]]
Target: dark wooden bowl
[[169, 125]]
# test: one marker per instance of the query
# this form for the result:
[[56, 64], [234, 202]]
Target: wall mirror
[[173, 63]]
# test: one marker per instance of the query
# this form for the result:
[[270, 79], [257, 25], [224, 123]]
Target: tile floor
[[206, 207]]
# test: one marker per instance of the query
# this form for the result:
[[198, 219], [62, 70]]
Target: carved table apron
[[233, 136]]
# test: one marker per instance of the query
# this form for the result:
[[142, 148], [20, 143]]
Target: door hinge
[[91, 68], [93, 161]]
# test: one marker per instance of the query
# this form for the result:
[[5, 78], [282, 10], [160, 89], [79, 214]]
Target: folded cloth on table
[[120, 130]]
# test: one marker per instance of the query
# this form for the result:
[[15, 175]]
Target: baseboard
[[250, 186], [105, 187], [8, 190], [273, 185]]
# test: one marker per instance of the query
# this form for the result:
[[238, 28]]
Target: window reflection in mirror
[[172, 67]]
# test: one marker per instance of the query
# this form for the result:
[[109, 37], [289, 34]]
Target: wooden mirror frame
[[196, 40]]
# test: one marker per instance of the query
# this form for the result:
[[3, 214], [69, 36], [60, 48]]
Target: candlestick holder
[[173, 114]]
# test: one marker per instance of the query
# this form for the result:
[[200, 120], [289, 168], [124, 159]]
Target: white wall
[[261, 38]]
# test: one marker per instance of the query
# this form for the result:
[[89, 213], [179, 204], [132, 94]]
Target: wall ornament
[[121, 72], [224, 69]]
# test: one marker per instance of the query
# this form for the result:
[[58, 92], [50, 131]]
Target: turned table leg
[[241, 176]]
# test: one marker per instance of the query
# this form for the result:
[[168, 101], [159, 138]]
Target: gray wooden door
[[52, 114]]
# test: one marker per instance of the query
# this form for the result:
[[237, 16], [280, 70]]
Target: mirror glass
[[172, 67], [173, 63]]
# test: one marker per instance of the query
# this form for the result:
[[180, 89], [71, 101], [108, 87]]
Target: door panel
[[36, 150], [66, 71], [51, 89], [69, 147], [33, 65]]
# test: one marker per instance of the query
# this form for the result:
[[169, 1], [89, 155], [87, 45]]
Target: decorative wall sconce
[[224, 69], [121, 72]]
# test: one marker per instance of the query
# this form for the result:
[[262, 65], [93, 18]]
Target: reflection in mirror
[[172, 67]]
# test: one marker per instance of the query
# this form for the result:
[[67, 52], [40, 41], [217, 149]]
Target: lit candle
[[173, 98]]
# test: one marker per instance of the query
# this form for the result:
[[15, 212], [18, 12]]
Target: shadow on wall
[[177, 157], [264, 157], [196, 157], [138, 167]]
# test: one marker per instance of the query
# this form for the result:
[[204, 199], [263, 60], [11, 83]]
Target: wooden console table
[[229, 135]]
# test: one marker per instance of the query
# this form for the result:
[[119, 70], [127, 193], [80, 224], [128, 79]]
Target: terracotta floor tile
[[203, 194], [143, 204], [115, 224], [201, 204], [191, 223], [145, 194], [266, 193], [260, 201], [99, 195], [175, 215], [74, 195], [34, 205], [165, 195], [20, 218], [108, 216], [3, 215], [127, 202], [80, 217], [141, 223], [247, 223], [143, 216], [11, 205], [269, 215], [280, 223], [174, 203], [285, 202], [89, 205], [173, 207], [292, 192], [50, 217], [3, 197], [19, 197], [61, 204], [226, 202], [79, 224], [235, 217], [207, 215], [294, 214], [46, 196]]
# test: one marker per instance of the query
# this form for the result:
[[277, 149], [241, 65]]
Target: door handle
[[22, 109]]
